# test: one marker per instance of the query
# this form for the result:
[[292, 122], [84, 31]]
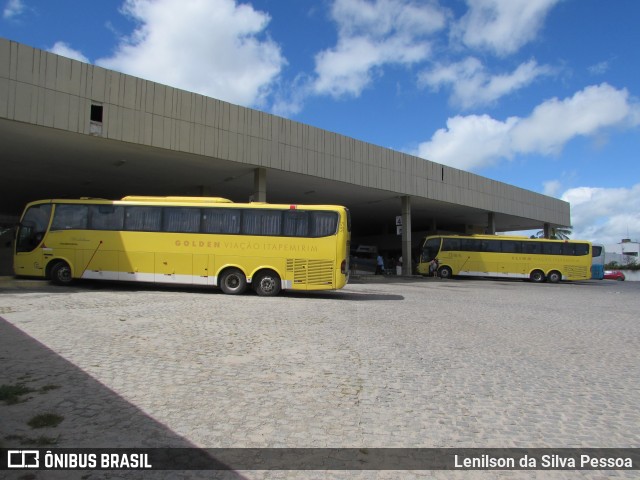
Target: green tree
[[560, 233]]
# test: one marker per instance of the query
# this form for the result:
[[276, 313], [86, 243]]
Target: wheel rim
[[267, 284], [232, 282], [63, 274], [554, 277]]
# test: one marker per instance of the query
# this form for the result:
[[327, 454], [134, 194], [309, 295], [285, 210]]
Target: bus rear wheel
[[554, 277], [537, 276], [61, 273], [267, 284], [233, 282]]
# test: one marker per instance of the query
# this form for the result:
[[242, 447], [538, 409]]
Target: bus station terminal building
[[70, 129]]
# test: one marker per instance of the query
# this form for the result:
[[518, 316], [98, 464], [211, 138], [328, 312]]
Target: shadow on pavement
[[93, 416]]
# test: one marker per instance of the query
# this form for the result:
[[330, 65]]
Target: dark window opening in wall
[[96, 113]]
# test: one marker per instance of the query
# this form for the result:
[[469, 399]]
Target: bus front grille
[[310, 272]]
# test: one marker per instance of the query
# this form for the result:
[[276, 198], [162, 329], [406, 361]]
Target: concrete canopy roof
[[41, 162], [157, 140]]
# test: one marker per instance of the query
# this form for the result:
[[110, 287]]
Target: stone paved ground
[[381, 363]]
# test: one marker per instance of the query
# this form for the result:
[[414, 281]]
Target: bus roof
[[137, 198], [501, 237], [184, 202]]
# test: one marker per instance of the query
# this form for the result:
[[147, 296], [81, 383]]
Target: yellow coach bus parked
[[186, 240], [509, 257]]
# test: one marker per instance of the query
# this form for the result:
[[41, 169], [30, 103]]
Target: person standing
[[379, 265]]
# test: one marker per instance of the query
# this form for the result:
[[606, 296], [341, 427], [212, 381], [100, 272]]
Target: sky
[[540, 94]]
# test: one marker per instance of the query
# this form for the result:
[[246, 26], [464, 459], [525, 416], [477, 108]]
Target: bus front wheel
[[61, 273], [537, 276], [554, 277], [267, 284], [445, 272], [233, 282]]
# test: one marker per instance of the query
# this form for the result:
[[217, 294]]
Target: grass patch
[[48, 388], [45, 420], [10, 394]]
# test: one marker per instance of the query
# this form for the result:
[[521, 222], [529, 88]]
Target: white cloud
[[13, 9], [473, 141], [349, 67], [605, 215], [555, 122], [552, 187], [469, 142], [370, 36], [599, 68], [473, 86], [62, 48], [214, 47], [374, 34], [501, 26]]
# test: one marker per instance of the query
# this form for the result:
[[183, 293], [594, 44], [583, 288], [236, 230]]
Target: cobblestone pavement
[[384, 362]]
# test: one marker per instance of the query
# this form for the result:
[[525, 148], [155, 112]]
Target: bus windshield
[[33, 227], [597, 262], [430, 249]]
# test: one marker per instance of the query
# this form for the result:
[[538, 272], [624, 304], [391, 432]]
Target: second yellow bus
[[536, 259]]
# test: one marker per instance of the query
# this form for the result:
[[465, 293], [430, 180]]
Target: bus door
[[29, 250]]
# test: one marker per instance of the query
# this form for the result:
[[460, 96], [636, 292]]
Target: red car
[[613, 275]]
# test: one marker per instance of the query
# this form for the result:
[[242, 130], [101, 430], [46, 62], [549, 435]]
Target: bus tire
[[233, 281], [537, 276], [554, 276], [267, 283], [61, 273], [445, 272]]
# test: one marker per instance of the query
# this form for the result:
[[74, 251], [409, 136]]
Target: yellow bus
[[538, 259], [186, 240]]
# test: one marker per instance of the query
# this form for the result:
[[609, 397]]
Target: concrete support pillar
[[491, 225], [259, 185], [547, 230], [406, 236]]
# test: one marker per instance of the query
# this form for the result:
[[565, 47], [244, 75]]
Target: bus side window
[[143, 219], [583, 249], [552, 248], [532, 248], [510, 246], [181, 219], [451, 245], [261, 222], [491, 246], [323, 224], [70, 217], [220, 220], [296, 224], [106, 217]]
